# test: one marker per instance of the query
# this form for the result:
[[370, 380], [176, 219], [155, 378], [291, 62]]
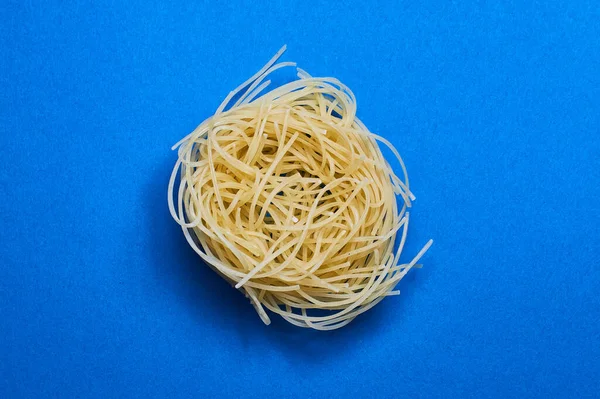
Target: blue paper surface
[[495, 109]]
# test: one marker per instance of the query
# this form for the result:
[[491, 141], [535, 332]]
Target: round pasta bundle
[[286, 195]]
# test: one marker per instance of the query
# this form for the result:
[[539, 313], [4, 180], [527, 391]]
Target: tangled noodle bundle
[[287, 195]]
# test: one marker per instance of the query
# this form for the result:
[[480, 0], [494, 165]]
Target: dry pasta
[[286, 195]]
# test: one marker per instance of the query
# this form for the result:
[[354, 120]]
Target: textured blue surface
[[495, 109]]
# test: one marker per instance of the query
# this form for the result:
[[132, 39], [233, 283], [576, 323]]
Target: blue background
[[495, 109]]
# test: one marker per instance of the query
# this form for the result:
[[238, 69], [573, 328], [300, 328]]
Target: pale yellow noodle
[[287, 195]]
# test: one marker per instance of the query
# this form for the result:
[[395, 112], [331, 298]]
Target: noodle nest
[[286, 194]]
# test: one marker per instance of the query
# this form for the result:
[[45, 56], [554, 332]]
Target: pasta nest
[[288, 196]]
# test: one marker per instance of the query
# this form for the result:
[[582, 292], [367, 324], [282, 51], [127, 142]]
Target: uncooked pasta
[[286, 194]]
